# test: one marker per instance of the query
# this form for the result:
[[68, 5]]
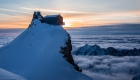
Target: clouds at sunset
[[76, 13]]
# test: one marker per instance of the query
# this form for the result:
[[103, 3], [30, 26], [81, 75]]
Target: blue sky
[[76, 13]]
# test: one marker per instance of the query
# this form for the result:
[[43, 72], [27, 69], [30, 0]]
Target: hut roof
[[52, 15]]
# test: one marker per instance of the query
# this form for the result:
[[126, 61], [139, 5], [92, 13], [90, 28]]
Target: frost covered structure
[[38, 53]]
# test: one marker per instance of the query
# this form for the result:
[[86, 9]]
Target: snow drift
[[39, 53]]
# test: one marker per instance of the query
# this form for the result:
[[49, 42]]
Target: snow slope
[[5, 75], [35, 54]]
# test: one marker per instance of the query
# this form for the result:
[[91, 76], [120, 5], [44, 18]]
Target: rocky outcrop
[[90, 50], [66, 52], [96, 50], [136, 77], [37, 15]]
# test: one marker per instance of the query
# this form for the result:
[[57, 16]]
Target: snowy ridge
[[97, 50], [35, 54]]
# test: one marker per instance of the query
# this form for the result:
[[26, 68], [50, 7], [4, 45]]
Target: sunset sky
[[76, 13]]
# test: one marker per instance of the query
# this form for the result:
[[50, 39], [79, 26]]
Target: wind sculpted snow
[[34, 54]]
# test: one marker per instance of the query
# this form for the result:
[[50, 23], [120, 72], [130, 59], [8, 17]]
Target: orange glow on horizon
[[67, 23], [73, 20]]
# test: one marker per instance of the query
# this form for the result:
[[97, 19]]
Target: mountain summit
[[41, 52]]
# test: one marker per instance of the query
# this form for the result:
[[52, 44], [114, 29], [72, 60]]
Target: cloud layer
[[77, 13], [109, 67]]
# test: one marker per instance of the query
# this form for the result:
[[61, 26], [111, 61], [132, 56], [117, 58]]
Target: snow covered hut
[[54, 19]]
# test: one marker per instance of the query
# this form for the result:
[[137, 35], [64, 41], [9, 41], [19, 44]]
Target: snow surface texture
[[109, 67], [34, 54], [5, 75], [97, 50]]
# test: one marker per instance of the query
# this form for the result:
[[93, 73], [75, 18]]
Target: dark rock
[[136, 77], [66, 51], [89, 50], [96, 50], [111, 51], [37, 15]]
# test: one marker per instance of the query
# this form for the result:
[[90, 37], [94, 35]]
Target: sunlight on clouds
[[19, 21], [7, 25], [67, 23], [71, 18], [55, 11], [103, 18], [76, 13], [14, 10], [70, 22]]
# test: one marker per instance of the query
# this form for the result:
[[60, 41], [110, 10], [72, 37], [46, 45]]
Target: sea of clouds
[[109, 67]]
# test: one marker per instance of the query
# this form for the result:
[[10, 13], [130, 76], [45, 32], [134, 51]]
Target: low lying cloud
[[109, 67]]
